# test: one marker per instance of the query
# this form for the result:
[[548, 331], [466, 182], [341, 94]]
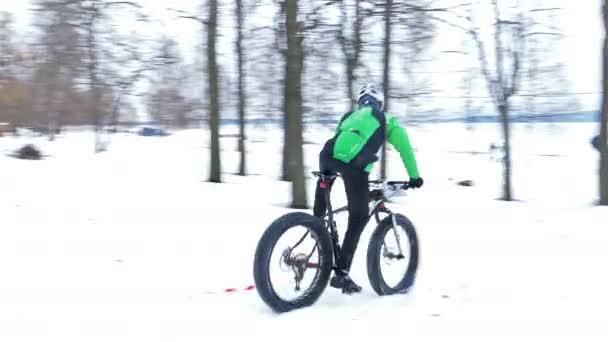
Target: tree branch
[[498, 48], [449, 23], [519, 38], [125, 3], [507, 22], [490, 82], [543, 34], [316, 21], [546, 9], [186, 15]]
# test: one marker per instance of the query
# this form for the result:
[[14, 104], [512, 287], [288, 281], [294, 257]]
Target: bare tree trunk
[[214, 117], [285, 170], [502, 85], [351, 49], [503, 107], [241, 86], [350, 80], [286, 176], [468, 102], [506, 131], [293, 78], [603, 144], [92, 68], [386, 73]]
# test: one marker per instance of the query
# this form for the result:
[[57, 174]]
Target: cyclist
[[352, 152]]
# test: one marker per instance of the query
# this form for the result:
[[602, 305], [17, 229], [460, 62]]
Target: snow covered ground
[[133, 244]]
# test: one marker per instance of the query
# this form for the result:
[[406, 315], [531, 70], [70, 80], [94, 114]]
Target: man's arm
[[398, 137]]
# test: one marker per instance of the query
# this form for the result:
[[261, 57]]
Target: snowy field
[[133, 245]]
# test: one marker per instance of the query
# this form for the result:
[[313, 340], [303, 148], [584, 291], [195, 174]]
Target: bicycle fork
[[394, 229], [380, 207], [394, 219]]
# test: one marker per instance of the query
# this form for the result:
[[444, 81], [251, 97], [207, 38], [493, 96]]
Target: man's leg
[[357, 192], [357, 187]]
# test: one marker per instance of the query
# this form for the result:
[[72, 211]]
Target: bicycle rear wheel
[[381, 252], [305, 261]]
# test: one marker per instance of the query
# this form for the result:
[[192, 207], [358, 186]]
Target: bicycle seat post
[[325, 182], [325, 179], [326, 186]]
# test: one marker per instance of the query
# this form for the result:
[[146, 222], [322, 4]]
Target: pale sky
[[581, 48]]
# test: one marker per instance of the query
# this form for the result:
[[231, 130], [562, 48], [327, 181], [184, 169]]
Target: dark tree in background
[[7, 45], [214, 115], [302, 22], [415, 31], [84, 70], [386, 75], [92, 16], [83, 46], [293, 105], [544, 83], [12, 89], [510, 35], [503, 83], [99, 42], [603, 144], [168, 103], [351, 43], [213, 84], [241, 86], [283, 48]]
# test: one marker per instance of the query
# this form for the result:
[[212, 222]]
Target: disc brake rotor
[[390, 256], [387, 256]]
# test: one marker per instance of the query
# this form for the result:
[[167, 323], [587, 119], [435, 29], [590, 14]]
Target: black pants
[[357, 190]]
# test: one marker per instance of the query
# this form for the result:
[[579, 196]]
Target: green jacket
[[359, 138]]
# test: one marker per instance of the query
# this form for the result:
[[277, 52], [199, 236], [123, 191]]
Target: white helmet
[[373, 92]]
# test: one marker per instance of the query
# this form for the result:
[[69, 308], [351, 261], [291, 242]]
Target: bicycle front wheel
[[392, 256]]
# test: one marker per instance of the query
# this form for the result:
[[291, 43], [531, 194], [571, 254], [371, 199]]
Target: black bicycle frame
[[376, 196]]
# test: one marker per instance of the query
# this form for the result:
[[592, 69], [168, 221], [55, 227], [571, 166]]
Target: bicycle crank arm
[[292, 262], [390, 255]]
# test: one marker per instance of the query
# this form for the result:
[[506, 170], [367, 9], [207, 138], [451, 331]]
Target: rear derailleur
[[298, 264]]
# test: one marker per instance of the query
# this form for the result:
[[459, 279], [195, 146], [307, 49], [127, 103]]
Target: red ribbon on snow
[[233, 289]]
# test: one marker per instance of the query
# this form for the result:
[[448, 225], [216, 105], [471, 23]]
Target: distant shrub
[[467, 182], [595, 142], [29, 152]]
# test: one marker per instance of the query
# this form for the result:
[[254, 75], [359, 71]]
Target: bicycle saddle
[[326, 176]]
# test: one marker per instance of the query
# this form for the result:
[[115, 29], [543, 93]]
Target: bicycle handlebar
[[402, 184]]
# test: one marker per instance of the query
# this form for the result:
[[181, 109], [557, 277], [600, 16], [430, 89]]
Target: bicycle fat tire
[[263, 254], [374, 255]]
